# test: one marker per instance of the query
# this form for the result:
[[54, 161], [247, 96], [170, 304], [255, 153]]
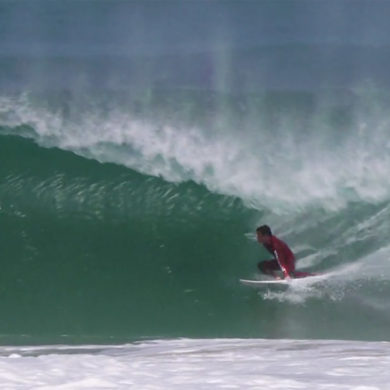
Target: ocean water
[[142, 143]]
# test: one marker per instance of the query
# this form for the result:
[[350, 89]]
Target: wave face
[[141, 144]]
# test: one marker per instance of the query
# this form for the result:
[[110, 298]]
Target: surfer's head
[[263, 234]]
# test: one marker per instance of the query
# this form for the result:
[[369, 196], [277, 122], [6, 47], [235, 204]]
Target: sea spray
[[300, 159]]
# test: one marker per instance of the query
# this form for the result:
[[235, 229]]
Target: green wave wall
[[93, 251]]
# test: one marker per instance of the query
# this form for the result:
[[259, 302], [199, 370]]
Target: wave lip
[[286, 163]]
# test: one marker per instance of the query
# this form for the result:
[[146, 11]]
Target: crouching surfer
[[284, 259]]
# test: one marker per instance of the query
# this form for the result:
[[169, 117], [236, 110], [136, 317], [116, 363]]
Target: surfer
[[284, 259]]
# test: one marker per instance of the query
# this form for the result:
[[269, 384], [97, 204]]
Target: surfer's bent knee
[[263, 267]]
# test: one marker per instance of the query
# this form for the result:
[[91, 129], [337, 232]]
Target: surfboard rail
[[258, 283], [283, 282]]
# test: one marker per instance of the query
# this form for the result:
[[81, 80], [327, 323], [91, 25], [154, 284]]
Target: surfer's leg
[[269, 267]]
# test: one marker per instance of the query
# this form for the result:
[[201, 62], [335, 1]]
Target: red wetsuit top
[[283, 255]]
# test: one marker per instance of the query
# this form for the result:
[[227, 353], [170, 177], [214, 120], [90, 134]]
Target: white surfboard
[[264, 283], [309, 280]]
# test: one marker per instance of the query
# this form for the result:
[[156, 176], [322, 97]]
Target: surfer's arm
[[283, 264]]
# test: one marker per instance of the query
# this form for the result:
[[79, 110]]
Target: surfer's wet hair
[[265, 230]]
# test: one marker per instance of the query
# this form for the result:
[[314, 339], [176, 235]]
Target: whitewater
[[199, 364]]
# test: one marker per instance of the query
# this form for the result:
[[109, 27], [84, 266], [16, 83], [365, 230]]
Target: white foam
[[200, 364], [279, 169]]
